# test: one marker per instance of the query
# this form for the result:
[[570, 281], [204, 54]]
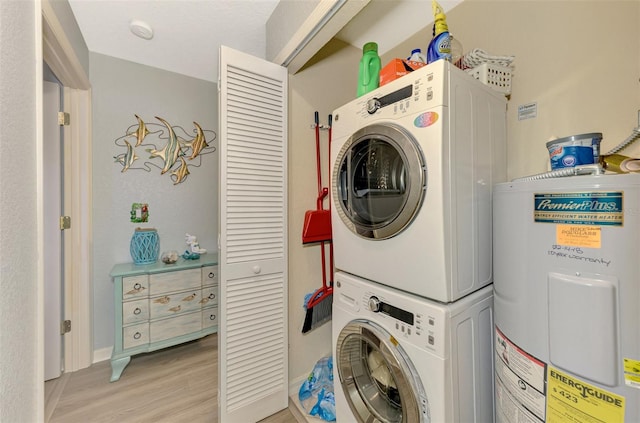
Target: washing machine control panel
[[420, 326]]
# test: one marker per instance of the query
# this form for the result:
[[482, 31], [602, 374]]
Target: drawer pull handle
[[212, 275], [175, 309], [256, 269], [190, 297], [212, 317], [212, 296], [162, 300], [137, 335], [136, 289], [137, 310]]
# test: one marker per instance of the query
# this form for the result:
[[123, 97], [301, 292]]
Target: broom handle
[[318, 170], [321, 194]]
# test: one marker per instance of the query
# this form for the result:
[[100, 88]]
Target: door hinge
[[63, 118], [65, 222], [65, 327]]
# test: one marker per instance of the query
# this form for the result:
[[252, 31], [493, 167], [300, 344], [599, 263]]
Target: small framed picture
[[139, 212]]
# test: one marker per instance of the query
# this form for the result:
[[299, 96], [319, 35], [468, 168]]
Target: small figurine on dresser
[[194, 250]]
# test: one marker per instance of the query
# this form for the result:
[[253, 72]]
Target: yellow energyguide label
[[579, 236], [632, 373], [574, 400]]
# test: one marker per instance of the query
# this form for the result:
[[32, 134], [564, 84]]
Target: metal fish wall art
[[181, 173], [166, 145], [171, 150], [198, 143], [141, 131], [127, 158]]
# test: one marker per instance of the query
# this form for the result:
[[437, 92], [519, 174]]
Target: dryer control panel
[[421, 89]]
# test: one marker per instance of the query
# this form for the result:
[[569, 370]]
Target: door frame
[[59, 54], [53, 237]]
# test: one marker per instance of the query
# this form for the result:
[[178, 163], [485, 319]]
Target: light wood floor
[[177, 384]]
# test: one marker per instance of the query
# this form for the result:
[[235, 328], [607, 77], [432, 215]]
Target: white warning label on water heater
[[520, 383]]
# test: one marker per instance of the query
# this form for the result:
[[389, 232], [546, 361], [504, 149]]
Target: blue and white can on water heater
[[574, 150]]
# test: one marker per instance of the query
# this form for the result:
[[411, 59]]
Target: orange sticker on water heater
[[579, 236]]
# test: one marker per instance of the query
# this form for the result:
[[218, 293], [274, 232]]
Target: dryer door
[[379, 181], [378, 379]]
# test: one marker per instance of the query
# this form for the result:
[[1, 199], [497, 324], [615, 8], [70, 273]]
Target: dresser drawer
[[209, 275], [174, 281], [135, 311], [133, 336], [209, 296], [135, 287], [209, 317], [175, 303], [175, 326]]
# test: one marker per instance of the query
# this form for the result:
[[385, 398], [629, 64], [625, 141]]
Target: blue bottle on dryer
[[440, 46]]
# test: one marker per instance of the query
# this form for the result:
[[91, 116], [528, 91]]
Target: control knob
[[373, 105], [374, 304]]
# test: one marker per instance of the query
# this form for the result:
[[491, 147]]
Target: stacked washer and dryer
[[413, 167]]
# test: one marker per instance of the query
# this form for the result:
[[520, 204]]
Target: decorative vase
[[145, 246]]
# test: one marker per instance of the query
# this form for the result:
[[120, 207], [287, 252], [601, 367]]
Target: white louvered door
[[253, 341]]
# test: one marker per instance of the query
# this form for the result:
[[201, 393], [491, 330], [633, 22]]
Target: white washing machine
[[414, 163], [402, 358]]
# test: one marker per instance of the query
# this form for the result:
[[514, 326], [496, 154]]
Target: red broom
[[320, 303]]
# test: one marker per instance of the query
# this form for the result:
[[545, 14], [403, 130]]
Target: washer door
[[379, 381], [379, 181]]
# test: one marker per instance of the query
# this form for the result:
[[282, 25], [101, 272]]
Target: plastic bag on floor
[[316, 393]]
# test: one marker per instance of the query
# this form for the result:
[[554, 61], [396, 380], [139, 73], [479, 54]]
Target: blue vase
[[145, 246]]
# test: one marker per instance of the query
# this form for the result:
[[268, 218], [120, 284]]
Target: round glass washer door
[[379, 381], [379, 181]]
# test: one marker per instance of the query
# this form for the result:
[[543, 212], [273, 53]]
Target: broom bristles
[[318, 315]]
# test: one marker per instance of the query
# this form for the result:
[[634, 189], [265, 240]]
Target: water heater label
[[580, 208], [579, 236], [574, 400], [632, 373], [520, 382]]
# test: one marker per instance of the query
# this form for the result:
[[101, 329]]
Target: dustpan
[[317, 223]]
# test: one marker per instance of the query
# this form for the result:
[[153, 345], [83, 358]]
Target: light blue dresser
[[160, 305]]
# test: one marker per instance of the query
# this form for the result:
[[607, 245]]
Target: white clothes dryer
[[403, 358], [413, 166]]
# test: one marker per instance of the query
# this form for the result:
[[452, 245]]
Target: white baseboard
[[295, 384], [295, 407], [102, 354]]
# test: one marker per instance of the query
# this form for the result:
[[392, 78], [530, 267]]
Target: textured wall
[[19, 343], [121, 89], [565, 62]]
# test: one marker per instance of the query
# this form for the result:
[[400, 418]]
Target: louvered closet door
[[253, 356]]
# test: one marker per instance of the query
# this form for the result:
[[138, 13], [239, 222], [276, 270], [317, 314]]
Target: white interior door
[[52, 234], [253, 340]]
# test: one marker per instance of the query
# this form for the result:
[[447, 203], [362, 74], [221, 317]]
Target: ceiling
[[188, 33]]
